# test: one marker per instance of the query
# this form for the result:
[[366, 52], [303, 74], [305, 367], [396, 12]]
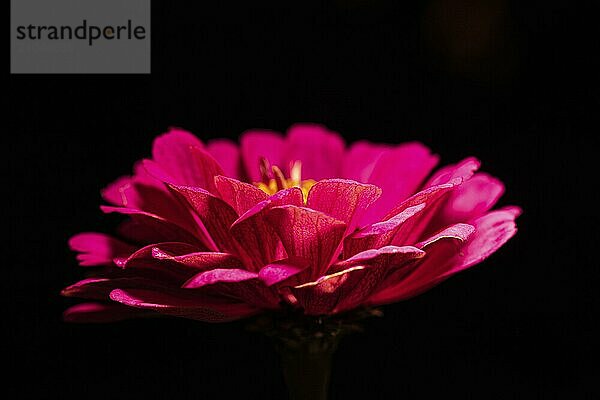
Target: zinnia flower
[[220, 231]]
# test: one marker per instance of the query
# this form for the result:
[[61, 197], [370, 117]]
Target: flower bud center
[[273, 179]]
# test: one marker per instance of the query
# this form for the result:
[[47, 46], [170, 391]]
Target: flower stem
[[307, 368]]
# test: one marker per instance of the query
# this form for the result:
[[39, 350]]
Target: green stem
[[307, 368]]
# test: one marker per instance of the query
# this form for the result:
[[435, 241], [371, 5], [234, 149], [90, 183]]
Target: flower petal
[[262, 245], [236, 283], [342, 199], [227, 155], [219, 275], [281, 270], [199, 260], [392, 231], [100, 288], [441, 250], [98, 248], [399, 173], [239, 195], [146, 193], [308, 234], [150, 228], [184, 303], [91, 313], [215, 214], [350, 287], [462, 170], [256, 145], [182, 157], [199, 170], [471, 199], [319, 150], [360, 160], [491, 232]]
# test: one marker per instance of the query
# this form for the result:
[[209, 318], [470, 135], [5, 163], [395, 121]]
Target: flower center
[[273, 179]]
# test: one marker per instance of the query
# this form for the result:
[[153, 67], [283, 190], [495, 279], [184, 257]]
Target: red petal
[[351, 286], [308, 234], [261, 243], [239, 195], [341, 199]]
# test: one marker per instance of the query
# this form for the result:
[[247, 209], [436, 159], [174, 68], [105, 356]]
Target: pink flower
[[217, 232]]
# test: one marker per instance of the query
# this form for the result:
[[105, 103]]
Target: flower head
[[218, 232]]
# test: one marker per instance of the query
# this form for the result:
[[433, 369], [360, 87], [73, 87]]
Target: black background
[[508, 82]]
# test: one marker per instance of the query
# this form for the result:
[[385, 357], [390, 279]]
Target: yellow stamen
[[279, 182]]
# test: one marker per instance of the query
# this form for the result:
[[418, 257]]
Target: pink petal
[[319, 149], [261, 243], [101, 313], [491, 232], [256, 145], [145, 193], [181, 156], [200, 170], [239, 195], [100, 288], [350, 287], [281, 270], [308, 234], [227, 154], [215, 214], [360, 160], [147, 254], [440, 250], [399, 173], [219, 275], [183, 303], [441, 182], [200, 260], [472, 199], [150, 228], [463, 170], [341, 199], [152, 258], [98, 249], [396, 230], [236, 283]]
